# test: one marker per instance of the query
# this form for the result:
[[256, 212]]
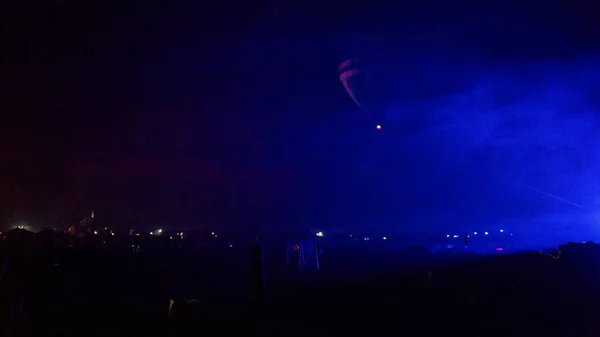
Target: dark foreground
[[86, 292]]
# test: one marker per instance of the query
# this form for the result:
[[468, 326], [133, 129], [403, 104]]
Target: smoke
[[526, 135]]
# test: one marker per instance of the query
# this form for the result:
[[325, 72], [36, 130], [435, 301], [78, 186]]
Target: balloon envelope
[[368, 85], [354, 79]]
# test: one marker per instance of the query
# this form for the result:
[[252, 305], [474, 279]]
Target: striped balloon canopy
[[367, 87]]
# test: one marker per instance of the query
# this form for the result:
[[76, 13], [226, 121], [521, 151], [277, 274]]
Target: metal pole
[[287, 253]]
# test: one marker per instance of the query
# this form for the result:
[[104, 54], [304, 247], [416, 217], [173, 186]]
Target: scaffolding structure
[[304, 254]]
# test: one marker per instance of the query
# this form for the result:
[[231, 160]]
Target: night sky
[[232, 115]]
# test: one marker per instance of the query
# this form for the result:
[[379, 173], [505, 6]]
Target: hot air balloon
[[384, 88], [368, 86]]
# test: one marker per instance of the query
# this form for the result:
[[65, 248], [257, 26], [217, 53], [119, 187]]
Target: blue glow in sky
[[188, 115], [513, 143]]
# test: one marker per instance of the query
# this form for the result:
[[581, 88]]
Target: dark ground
[[78, 291]]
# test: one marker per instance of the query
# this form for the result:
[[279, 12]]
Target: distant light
[[350, 235], [378, 127], [212, 233], [230, 245], [455, 236], [502, 231], [447, 235], [113, 234], [137, 234], [151, 233], [499, 249], [384, 238], [95, 232], [367, 239], [486, 233], [320, 234], [160, 231], [474, 233], [511, 234], [216, 236]]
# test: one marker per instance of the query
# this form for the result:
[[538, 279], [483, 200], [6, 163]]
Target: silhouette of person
[[257, 270]]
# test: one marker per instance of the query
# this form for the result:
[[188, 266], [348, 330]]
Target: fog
[[463, 145]]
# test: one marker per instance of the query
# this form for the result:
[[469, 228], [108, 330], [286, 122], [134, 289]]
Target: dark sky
[[232, 115]]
